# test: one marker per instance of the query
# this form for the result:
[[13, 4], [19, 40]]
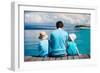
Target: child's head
[[43, 35], [72, 37]]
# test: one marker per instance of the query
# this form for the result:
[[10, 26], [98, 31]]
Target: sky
[[48, 17]]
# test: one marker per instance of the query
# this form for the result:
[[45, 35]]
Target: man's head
[[59, 24]]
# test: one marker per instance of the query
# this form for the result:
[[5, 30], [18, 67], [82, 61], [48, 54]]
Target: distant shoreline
[[82, 27]]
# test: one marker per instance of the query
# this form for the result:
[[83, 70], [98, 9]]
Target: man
[[58, 40]]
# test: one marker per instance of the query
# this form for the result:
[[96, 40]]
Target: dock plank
[[30, 58], [76, 57], [58, 58], [36, 59], [84, 56], [70, 57], [27, 58], [64, 58], [51, 58], [45, 58]]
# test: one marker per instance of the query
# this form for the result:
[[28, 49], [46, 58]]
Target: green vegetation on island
[[82, 26]]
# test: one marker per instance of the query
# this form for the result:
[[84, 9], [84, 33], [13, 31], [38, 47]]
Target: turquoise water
[[83, 41], [32, 33]]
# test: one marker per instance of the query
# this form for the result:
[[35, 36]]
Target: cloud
[[47, 17], [33, 17]]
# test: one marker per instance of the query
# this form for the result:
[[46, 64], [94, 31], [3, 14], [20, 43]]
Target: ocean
[[31, 33]]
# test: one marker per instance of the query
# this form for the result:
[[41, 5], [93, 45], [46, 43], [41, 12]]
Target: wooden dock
[[30, 58]]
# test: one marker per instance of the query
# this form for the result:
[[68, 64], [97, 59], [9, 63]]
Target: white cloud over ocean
[[47, 17]]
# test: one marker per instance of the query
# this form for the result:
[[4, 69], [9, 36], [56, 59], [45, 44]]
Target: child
[[72, 48], [43, 44]]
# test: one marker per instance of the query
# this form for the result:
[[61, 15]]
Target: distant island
[[82, 26]]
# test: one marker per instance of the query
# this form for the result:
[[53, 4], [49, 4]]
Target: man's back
[[58, 40]]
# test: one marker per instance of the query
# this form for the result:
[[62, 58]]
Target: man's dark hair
[[59, 24]]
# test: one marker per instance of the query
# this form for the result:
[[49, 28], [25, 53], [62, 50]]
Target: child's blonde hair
[[72, 36], [43, 35]]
